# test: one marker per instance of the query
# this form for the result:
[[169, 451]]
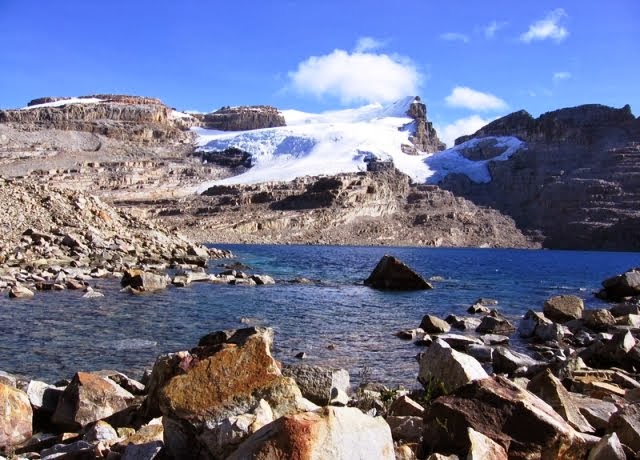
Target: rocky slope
[[42, 227], [576, 183], [362, 208]]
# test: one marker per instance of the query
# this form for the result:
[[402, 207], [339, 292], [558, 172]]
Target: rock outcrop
[[146, 120], [243, 118], [575, 183], [424, 136], [379, 208]]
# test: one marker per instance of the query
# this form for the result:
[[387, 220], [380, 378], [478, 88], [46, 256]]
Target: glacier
[[342, 141]]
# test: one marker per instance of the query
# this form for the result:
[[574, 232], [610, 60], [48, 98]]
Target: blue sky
[[470, 61]]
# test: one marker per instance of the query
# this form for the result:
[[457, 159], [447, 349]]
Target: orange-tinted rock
[[333, 433], [15, 416], [229, 381], [211, 397]]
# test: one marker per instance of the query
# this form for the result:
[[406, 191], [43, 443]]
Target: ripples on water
[[335, 321]]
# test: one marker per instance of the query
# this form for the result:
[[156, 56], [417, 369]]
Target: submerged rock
[[391, 273]]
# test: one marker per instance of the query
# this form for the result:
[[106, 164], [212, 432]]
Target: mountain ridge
[[567, 179]]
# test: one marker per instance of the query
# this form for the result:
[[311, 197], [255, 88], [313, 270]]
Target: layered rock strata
[[577, 181], [243, 118], [360, 208]]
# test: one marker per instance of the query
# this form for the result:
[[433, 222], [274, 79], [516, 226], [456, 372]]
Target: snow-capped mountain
[[343, 141]]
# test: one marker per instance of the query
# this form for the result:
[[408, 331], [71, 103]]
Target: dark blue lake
[[58, 333]]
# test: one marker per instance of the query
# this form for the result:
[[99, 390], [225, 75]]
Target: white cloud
[[558, 76], [547, 28], [365, 44], [455, 36], [469, 125], [491, 29], [357, 77], [463, 96]]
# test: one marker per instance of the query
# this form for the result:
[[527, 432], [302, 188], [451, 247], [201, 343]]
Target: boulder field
[[573, 395]]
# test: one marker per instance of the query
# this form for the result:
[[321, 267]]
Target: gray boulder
[[444, 369], [317, 383]]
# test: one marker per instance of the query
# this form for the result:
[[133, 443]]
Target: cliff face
[[577, 182], [360, 208], [127, 118], [424, 136], [243, 118]]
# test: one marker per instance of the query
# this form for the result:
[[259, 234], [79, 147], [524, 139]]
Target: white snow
[[175, 115], [452, 161], [72, 100], [338, 142]]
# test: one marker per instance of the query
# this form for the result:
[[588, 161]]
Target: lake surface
[[335, 320]]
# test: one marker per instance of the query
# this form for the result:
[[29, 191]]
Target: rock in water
[[332, 433], [140, 280], [524, 425], [15, 417], [620, 286], [391, 273]]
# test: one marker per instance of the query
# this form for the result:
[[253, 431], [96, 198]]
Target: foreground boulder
[[334, 432], [211, 396], [391, 273], [88, 398], [15, 417], [443, 369], [524, 425], [549, 388]]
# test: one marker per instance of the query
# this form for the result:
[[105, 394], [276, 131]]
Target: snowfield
[[60, 103], [339, 142]]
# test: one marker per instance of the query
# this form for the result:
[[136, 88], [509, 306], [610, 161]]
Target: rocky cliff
[[361, 208], [243, 118], [577, 182], [424, 136], [126, 118]]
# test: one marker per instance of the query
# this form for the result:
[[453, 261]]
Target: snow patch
[[452, 161], [60, 103]]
